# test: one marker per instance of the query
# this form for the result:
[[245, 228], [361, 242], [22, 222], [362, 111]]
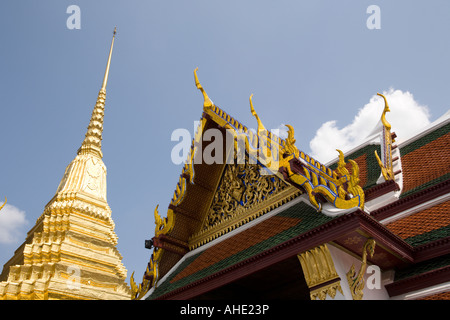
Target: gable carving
[[243, 194], [241, 187]]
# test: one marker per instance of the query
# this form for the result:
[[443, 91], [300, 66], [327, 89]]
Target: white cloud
[[406, 116], [12, 219]]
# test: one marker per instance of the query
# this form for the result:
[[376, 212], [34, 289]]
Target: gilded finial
[[252, 110], [105, 78], [386, 164], [1, 207], [207, 101], [386, 109], [92, 143]]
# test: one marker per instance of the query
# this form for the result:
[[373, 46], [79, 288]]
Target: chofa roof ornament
[[385, 162]]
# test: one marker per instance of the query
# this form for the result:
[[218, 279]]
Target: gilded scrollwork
[[151, 274], [339, 187], [242, 186], [164, 225], [356, 281], [150, 277], [290, 148]]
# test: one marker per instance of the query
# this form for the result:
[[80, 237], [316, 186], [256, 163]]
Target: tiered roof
[[406, 194]]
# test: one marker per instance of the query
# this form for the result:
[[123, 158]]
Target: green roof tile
[[422, 267], [427, 237], [416, 144]]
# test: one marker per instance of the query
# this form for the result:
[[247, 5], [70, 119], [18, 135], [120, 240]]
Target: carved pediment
[[241, 187]]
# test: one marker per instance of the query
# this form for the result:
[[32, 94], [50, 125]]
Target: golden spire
[[105, 78], [92, 143]]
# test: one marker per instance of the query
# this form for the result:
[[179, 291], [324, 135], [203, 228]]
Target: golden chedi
[[71, 251]]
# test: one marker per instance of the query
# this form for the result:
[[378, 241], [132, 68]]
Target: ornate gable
[[212, 199], [241, 187], [244, 193]]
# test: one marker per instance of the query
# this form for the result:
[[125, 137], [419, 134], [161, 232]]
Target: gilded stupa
[[71, 251]]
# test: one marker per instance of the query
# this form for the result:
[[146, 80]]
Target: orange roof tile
[[363, 169], [237, 243], [426, 163], [438, 296], [421, 222]]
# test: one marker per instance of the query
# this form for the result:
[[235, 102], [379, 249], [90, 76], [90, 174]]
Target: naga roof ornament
[[339, 187]]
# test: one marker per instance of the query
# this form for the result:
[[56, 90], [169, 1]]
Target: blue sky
[[306, 62]]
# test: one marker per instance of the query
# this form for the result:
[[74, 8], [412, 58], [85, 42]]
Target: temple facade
[[71, 251], [271, 222]]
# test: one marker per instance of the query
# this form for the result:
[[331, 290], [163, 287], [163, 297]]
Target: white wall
[[374, 290]]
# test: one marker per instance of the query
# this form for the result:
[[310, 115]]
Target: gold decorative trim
[[164, 225], [89, 282], [151, 274], [386, 166], [207, 101], [339, 187], [276, 154], [242, 216], [261, 128], [4, 203], [356, 281], [187, 174], [320, 273], [88, 245], [150, 278]]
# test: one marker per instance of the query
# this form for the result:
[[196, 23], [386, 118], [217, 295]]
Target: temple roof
[[200, 241]]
